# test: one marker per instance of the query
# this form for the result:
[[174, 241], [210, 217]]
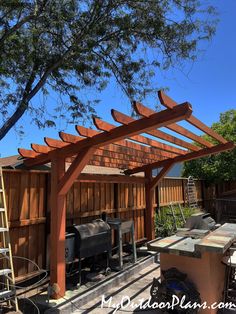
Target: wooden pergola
[[119, 147]]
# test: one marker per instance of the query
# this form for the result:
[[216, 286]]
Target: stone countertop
[[194, 242]]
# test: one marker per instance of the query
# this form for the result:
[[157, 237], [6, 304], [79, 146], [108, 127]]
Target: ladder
[[191, 193], [177, 216], [7, 278]]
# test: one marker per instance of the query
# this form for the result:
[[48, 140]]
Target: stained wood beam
[[156, 120], [190, 156], [146, 112], [105, 126], [74, 170], [154, 182], [124, 143], [170, 103], [124, 119]]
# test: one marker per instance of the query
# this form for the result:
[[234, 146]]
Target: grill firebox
[[91, 239]]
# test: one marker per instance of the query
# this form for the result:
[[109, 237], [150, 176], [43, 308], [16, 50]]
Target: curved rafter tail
[[83, 131], [69, 138], [27, 153]]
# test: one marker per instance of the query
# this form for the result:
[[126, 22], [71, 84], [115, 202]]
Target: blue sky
[[209, 85]]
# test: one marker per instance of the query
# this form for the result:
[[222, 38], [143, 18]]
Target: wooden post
[[150, 187], [58, 225], [149, 212]]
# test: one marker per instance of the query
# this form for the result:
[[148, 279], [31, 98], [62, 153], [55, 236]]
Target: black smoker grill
[[201, 221], [91, 239]]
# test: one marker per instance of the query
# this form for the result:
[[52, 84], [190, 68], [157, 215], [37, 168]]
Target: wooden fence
[[28, 196]]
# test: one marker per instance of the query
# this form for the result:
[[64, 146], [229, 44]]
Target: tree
[[66, 47], [220, 167]]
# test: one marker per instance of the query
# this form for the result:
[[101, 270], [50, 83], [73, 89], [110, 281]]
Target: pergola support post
[[149, 213], [149, 191], [57, 230]]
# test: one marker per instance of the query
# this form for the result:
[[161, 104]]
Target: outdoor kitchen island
[[198, 253]]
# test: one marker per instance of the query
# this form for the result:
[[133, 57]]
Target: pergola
[[120, 147]]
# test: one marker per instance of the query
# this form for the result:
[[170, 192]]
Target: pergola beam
[[190, 156], [170, 103], [124, 119]]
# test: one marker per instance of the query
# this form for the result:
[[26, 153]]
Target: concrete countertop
[[194, 242]]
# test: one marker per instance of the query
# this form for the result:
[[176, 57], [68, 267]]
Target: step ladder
[[7, 278], [177, 216], [191, 193]]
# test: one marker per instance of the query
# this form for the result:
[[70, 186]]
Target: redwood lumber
[[122, 152], [146, 112], [58, 229], [27, 153], [149, 210], [41, 148], [69, 138], [170, 103], [51, 142], [154, 182], [124, 119], [156, 120], [105, 126], [74, 170], [125, 143], [190, 156]]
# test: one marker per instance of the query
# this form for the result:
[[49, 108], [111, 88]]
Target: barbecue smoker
[[91, 239]]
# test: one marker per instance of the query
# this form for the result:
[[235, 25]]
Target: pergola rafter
[[170, 103], [105, 126], [125, 147], [124, 119]]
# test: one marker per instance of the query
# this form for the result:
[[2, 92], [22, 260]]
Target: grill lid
[[92, 228], [200, 221]]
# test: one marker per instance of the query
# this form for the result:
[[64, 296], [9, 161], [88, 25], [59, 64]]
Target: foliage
[[66, 48], [220, 167], [164, 222]]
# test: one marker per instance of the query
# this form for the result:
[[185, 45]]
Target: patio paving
[[136, 288]]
